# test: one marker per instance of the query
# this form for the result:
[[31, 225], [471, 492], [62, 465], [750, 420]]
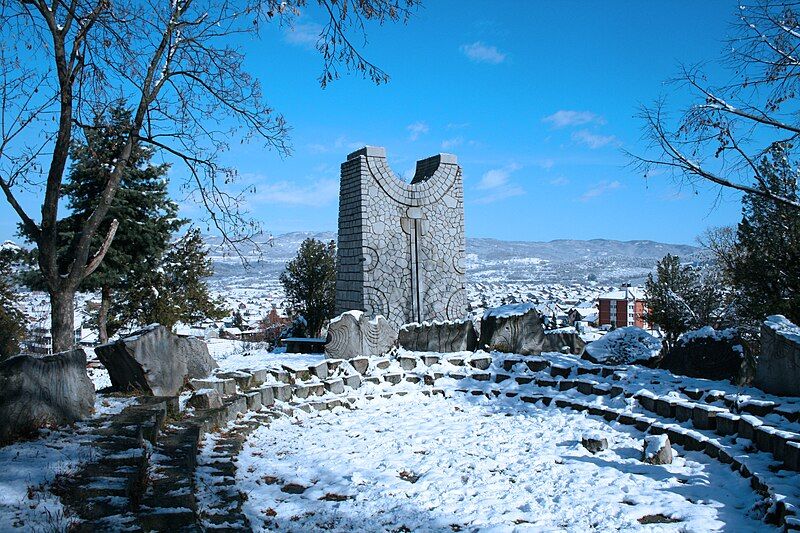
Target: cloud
[[600, 189], [493, 178], [457, 125], [501, 194], [592, 140], [305, 35], [417, 129], [564, 118], [559, 181], [319, 193], [447, 144], [479, 52], [495, 185]]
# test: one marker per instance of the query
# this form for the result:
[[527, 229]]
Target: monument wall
[[401, 245]]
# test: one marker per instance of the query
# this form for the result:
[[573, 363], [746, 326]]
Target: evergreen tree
[[176, 291], [680, 298], [765, 260], [12, 320], [145, 214], [310, 283], [238, 320]]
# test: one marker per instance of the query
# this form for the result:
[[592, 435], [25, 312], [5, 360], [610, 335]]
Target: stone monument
[[401, 245]]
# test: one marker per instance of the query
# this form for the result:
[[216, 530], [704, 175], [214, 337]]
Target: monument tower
[[401, 245]]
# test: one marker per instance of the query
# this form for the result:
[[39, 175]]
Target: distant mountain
[[572, 250], [488, 260]]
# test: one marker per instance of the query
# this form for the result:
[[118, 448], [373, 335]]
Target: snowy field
[[416, 463]]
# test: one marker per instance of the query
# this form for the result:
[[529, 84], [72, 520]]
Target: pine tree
[[146, 215], [668, 298], [765, 260], [310, 283], [176, 291], [12, 320]]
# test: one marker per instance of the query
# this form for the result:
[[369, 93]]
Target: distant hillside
[[491, 260]]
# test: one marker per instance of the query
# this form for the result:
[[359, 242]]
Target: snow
[[465, 463], [235, 355], [783, 327], [509, 310], [708, 332], [624, 346]]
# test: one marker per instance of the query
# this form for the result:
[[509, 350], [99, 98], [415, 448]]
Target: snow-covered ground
[[417, 463], [236, 355]]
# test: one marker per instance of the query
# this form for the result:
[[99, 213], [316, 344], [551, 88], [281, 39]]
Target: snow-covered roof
[[625, 293]]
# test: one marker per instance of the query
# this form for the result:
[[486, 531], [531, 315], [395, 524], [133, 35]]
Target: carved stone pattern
[[401, 245]]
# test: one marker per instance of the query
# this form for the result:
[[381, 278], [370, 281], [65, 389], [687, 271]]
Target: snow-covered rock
[[624, 346], [657, 450], [594, 441], [706, 353]]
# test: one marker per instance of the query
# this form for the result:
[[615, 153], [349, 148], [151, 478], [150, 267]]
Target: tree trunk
[[102, 315], [62, 317]]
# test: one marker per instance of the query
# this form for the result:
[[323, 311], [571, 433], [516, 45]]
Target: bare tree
[[175, 64], [721, 137]]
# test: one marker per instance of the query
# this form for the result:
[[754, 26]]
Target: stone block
[[791, 458], [155, 361], [515, 328], [253, 400], [354, 334], [394, 378], [281, 376], [727, 423], [353, 381], [361, 364], [244, 380], [704, 416], [43, 390], [481, 363], [594, 442], [205, 399], [407, 362], [335, 386], [778, 366], [683, 411], [267, 396], [537, 364], [282, 392], [431, 360], [706, 354], [747, 425], [440, 337], [320, 370]]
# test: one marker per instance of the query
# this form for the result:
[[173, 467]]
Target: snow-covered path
[[467, 463]]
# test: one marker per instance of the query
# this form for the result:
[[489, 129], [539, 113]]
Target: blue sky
[[537, 99]]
